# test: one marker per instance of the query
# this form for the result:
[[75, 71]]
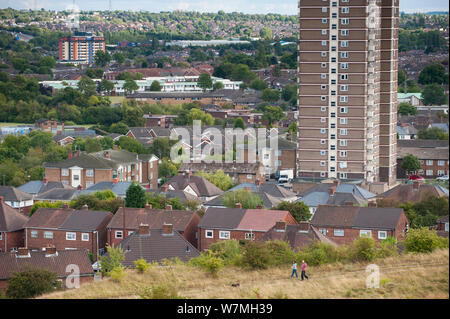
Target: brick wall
[[204, 243], [11, 240]]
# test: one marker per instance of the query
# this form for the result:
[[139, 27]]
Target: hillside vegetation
[[405, 276]]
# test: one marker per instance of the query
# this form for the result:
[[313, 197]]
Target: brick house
[[184, 222], [84, 170], [442, 226], [11, 227], [155, 245], [50, 125], [51, 260], [67, 229], [344, 224], [413, 192], [195, 185], [152, 120], [237, 223]]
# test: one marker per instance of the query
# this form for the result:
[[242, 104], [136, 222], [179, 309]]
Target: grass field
[[424, 276]]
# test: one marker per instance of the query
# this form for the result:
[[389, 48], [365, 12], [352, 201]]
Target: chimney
[[69, 154], [336, 182], [168, 207], [280, 226], [167, 229], [115, 180], [303, 226], [238, 205], [257, 182], [332, 190], [148, 206], [348, 204], [107, 154], [65, 206], [50, 250], [164, 188], [372, 204], [144, 229], [85, 207], [188, 174], [44, 181], [23, 252]]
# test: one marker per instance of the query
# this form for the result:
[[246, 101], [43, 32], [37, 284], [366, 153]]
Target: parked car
[[442, 178], [415, 177]]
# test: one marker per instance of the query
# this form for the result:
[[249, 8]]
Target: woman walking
[[294, 269], [304, 270]]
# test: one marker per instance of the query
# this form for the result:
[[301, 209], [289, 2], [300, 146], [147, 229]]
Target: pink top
[[304, 266]]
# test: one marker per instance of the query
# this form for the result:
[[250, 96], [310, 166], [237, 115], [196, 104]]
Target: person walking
[[294, 269], [304, 270]]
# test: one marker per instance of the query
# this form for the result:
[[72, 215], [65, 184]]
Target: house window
[[344, 110], [249, 176], [323, 87], [323, 231], [344, 77], [119, 234], [429, 172], [324, 32], [90, 173], [323, 142], [48, 235], [64, 172], [344, 44], [343, 120], [34, 234], [323, 76], [345, 10], [446, 227], [343, 153], [323, 98], [1, 234], [71, 236], [324, 65], [250, 236], [344, 21], [343, 131], [441, 173], [338, 232], [441, 163], [343, 99], [344, 66], [429, 162], [224, 235], [209, 234], [344, 87], [365, 233], [324, 43], [324, 20], [323, 131], [344, 33], [382, 234], [85, 237], [324, 9], [323, 153]]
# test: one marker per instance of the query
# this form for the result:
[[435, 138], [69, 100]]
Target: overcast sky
[[246, 6]]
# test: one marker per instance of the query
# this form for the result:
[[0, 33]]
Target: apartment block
[[80, 48], [348, 61]]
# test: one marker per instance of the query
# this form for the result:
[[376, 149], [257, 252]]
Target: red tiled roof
[[261, 219]]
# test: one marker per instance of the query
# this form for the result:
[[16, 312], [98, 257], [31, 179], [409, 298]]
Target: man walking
[[304, 270], [294, 269]]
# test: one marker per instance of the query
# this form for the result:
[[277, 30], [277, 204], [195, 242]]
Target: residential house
[[84, 170], [118, 188], [156, 245], [433, 156], [344, 224], [51, 260], [11, 227], [16, 198], [442, 226], [239, 172], [335, 193], [415, 99], [38, 187], [197, 186], [297, 236], [68, 229], [237, 223], [181, 195], [413, 192], [58, 195], [406, 132], [184, 222], [155, 120], [49, 125], [146, 135]]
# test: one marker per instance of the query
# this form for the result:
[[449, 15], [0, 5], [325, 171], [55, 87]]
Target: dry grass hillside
[[407, 276]]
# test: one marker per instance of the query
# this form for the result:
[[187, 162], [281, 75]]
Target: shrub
[[256, 255], [112, 259], [362, 249], [141, 265], [31, 283], [386, 248], [162, 291], [318, 254], [228, 250], [209, 262], [117, 273], [423, 240], [281, 252]]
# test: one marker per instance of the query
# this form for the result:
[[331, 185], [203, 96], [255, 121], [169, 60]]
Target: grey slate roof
[[199, 184], [180, 194], [274, 190], [227, 218], [13, 194], [119, 188], [156, 246], [58, 194], [36, 187]]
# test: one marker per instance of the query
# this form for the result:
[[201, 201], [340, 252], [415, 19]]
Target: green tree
[[114, 258], [87, 86], [423, 240], [407, 109], [433, 94], [119, 128], [218, 86], [167, 168], [218, 178], [299, 210], [205, 82], [130, 86], [239, 123], [131, 145], [155, 87], [102, 58], [432, 133], [266, 33], [270, 95], [272, 114], [106, 86], [434, 73], [31, 283], [135, 196], [258, 84], [411, 163], [246, 198], [92, 145], [119, 57]]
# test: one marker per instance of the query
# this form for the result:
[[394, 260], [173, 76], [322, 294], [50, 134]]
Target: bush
[[209, 262], [117, 273], [162, 291], [318, 254], [141, 265], [31, 283], [281, 252], [386, 248], [256, 255], [423, 240], [362, 249], [113, 259], [228, 250]]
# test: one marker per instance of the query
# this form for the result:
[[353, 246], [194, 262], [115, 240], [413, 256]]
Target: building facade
[[80, 48], [348, 61]]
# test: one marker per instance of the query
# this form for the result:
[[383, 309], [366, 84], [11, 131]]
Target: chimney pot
[[167, 229], [85, 207], [168, 207], [238, 205], [331, 190], [44, 180], [144, 229], [148, 206], [65, 206]]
